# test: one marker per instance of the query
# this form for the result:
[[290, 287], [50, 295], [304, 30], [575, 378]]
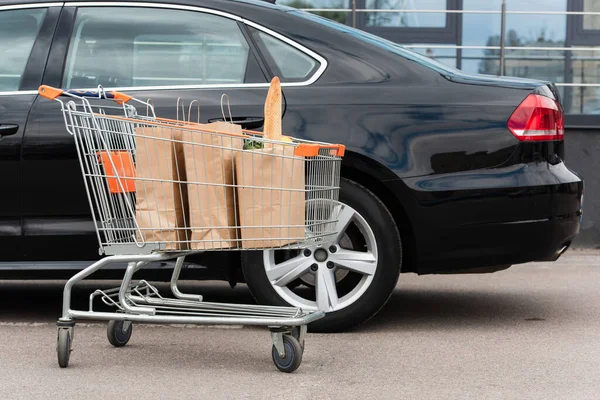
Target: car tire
[[388, 249]]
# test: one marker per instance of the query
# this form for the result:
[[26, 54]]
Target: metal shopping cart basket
[[163, 189]]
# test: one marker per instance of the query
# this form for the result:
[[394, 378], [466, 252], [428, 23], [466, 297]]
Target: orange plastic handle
[[49, 92], [52, 93], [120, 97], [312, 150]]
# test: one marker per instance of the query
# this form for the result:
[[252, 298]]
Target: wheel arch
[[371, 174]]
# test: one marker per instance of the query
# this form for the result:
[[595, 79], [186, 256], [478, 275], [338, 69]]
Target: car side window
[[18, 31], [286, 61], [149, 47]]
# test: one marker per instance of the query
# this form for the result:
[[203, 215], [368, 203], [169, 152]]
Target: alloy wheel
[[329, 277]]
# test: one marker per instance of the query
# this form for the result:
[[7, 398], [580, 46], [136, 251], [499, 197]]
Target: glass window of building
[[406, 18], [335, 8], [591, 22]]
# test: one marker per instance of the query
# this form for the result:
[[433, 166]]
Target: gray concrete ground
[[531, 332]]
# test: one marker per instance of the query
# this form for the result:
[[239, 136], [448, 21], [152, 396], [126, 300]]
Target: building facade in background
[[556, 40]]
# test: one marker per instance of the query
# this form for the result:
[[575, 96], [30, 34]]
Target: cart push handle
[[52, 93]]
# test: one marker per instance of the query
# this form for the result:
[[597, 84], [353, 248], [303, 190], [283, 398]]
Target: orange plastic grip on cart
[[49, 92], [312, 150], [120, 97], [123, 162], [52, 93]]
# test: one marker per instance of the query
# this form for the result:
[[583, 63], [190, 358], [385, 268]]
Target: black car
[[444, 172]]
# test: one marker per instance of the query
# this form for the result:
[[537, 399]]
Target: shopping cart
[[163, 189]]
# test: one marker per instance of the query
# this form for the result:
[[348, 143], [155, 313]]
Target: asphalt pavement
[[530, 332]]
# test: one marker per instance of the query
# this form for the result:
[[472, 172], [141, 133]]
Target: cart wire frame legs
[[142, 302]]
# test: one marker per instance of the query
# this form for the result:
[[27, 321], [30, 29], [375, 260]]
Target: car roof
[[187, 2], [239, 7]]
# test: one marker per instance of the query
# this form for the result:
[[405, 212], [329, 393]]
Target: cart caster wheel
[[63, 347], [293, 355], [117, 336], [295, 332]]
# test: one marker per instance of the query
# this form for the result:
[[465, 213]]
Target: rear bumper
[[498, 223], [506, 243]]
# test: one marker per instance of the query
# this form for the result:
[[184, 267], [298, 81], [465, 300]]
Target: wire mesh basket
[[156, 184]]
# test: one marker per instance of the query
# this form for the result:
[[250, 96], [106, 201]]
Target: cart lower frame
[[142, 302]]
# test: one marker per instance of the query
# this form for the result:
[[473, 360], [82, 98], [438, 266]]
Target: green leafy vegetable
[[252, 144]]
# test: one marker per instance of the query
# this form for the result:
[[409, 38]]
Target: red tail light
[[537, 118]]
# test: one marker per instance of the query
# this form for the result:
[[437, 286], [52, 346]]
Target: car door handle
[[8, 129], [246, 122]]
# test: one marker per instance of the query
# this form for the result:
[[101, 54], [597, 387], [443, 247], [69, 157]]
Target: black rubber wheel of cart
[[63, 347], [295, 332], [293, 355], [116, 336]]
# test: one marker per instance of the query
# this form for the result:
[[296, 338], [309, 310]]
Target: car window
[[378, 41], [147, 47], [285, 60], [18, 30]]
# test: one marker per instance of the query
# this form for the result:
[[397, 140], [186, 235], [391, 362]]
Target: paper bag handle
[[180, 103], [190, 111], [228, 108]]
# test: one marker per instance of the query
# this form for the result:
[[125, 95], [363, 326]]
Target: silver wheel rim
[[282, 274]]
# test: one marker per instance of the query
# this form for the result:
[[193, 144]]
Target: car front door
[[158, 52], [26, 32]]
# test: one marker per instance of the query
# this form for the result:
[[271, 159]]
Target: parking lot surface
[[530, 332]]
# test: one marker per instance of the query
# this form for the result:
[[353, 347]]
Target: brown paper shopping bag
[[271, 197], [271, 185], [160, 197], [210, 177]]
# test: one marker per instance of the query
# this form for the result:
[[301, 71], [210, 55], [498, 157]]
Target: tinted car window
[[18, 30], [378, 41], [286, 61], [137, 47]]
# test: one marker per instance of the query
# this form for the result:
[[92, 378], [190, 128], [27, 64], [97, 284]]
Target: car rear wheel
[[350, 280]]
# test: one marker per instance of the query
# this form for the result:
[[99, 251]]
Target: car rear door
[[26, 32], [157, 52]]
